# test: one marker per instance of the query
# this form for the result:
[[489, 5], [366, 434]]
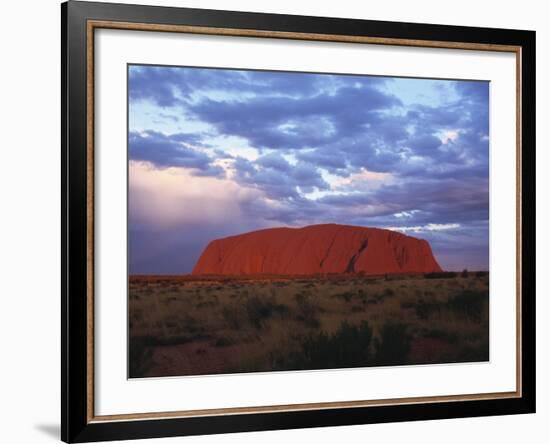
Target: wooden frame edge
[[90, 234], [519, 216], [237, 32], [283, 408]]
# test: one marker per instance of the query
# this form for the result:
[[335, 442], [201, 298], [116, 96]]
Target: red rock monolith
[[317, 249]]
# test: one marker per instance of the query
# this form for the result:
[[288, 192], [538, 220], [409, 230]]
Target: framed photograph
[[275, 221]]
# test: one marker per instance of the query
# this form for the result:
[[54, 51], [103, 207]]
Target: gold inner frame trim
[[97, 24]]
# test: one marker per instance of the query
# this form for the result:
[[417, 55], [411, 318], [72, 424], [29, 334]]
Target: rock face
[[315, 249]]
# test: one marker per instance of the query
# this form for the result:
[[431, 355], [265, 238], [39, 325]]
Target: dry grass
[[180, 326]]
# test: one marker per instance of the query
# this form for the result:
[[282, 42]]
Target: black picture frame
[[76, 423]]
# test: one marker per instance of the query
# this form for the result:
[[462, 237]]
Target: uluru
[[317, 249]]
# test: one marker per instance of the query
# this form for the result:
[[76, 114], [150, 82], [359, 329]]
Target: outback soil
[[185, 325]]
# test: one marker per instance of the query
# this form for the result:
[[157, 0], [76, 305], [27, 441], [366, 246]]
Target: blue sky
[[216, 152]]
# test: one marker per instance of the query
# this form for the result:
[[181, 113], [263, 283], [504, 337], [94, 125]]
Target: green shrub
[[259, 310], [234, 315], [474, 353], [394, 344], [436, 333], [223, 341], [469, 304], [424, 310], [346, 296], [440, 275], [306, 311], [349, 346], [139, 356]]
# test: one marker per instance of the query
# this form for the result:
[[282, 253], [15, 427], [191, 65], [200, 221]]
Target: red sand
[[315, 249]]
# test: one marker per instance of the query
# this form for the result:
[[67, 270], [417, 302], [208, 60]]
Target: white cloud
[[427, 227], [406, 214], [364, 180], [448, 135]]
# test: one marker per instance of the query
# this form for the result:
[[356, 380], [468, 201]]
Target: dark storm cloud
[[474, 92], [296, 123], [324, 157], [435, 201], [169, 86], [274, 161], [278, 178], [171, 151], [424, 143]]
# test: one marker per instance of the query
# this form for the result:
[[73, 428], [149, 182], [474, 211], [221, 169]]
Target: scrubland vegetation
[[181, 326]]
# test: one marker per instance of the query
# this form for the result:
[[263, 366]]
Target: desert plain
[[192, 325]]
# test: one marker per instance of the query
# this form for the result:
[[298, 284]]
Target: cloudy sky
[[217, 152]]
